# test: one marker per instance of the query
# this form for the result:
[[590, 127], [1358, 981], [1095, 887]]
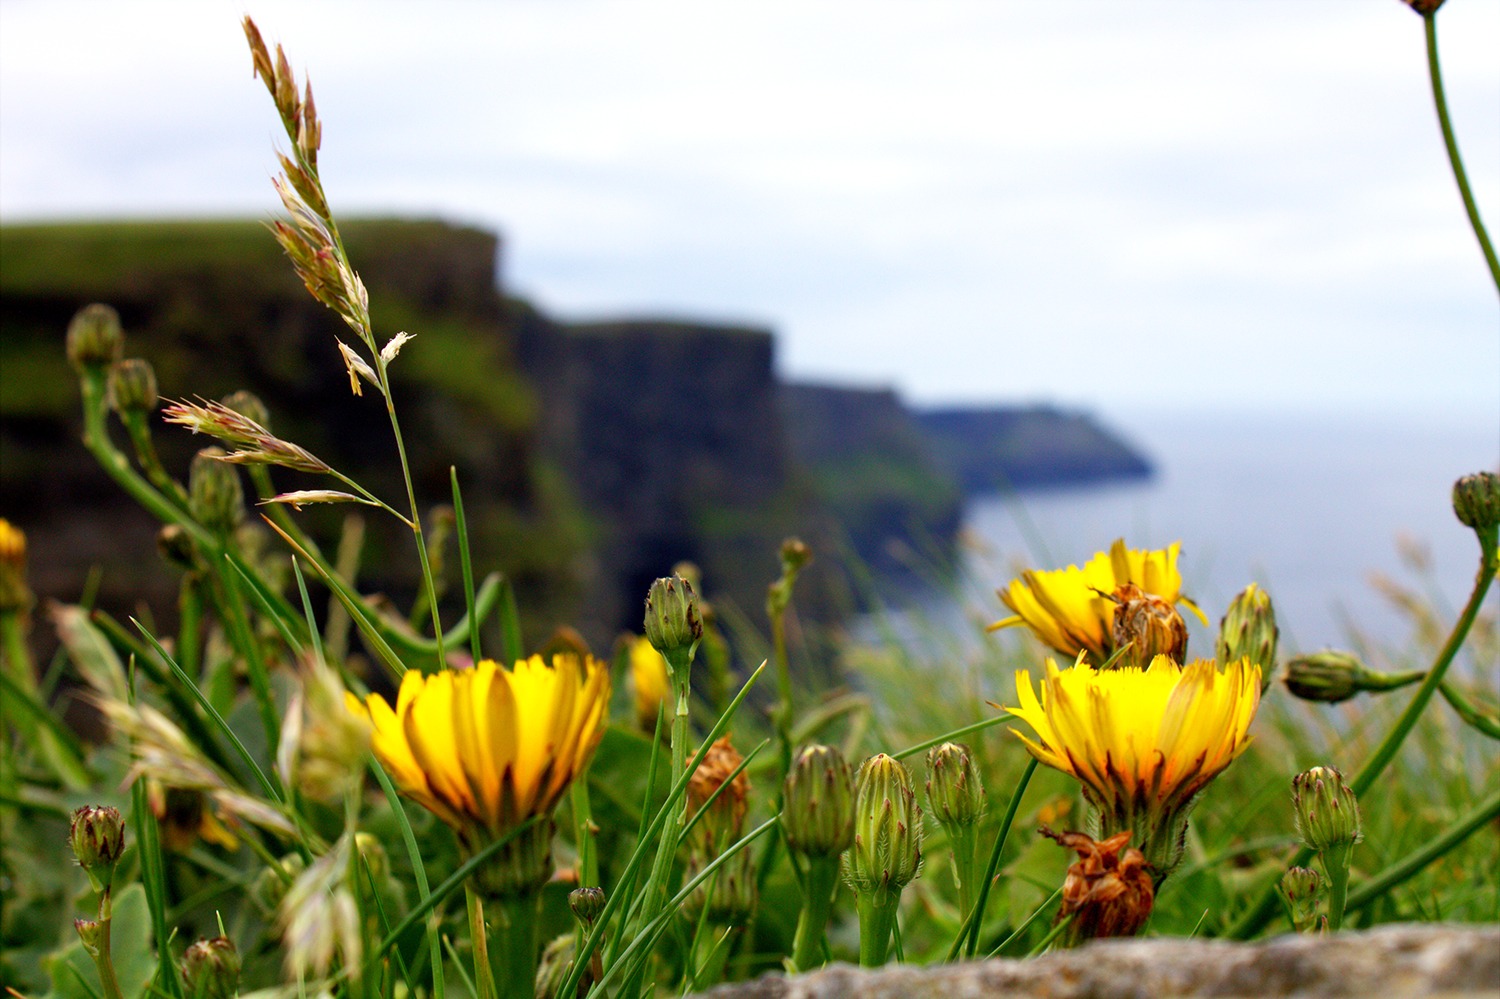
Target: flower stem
[[103, 960], [877, 917], [484, 977], [817, 904], [1434, 70], [515, 927], [1472, 714], [964, 845], [1336, 865]]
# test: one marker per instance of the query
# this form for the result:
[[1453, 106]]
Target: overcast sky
[[1193, 203]]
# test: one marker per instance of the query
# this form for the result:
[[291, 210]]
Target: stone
[[1433, 961]]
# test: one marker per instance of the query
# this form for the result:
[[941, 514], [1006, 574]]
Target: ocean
[[1311, 508]]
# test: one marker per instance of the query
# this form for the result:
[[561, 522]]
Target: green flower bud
[[91, 932], [955, 792], [1332, 676], [271, 884], [211, 969], [795, 556], [1326, 810], [175, 546], [1302, 889], [586, 904], [1248, 631], [1476, 500], [132, 386], [673, 622], [887, 850], [95, 339], [215, 496], [248, 405], [372, 858], [553, 968], [817, 814], [97, 836], [735, 895]]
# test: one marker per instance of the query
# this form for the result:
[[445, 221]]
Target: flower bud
[[90, 931], [587, 904], [1326, 810], [673, 622], [248, 405], [955, 792], [795, 556], [1476, 500], [215, 496], [1248, 631], [555, 965], [1302, 889], [95, 339], [132, 386], [887, 850], [211, 969], [817, 814], [1332, 676], [15, 594], [271, 884], [1149, 625], [734, 892], [97, 836]]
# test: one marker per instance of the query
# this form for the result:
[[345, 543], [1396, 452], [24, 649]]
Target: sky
[[1237, 205]]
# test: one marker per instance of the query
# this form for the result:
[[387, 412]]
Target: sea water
[[1312, 508]]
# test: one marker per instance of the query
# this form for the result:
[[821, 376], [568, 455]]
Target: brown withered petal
[[1108, 890], [727, 816]]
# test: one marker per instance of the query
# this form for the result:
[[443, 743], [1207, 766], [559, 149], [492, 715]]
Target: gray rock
[[1390, 962]]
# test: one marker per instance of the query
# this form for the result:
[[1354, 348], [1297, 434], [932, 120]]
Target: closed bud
[[95, 339], [673, 622], [174, 545], [1326, 810], [97, 836], [91, 932], [1476, 501], [248, 405], [554, 967], [1248, 631], [795, 556], [1149, 626], [955, 792], [1332, 676], [211, 969], [1302, 889], [817, 813], [887, 850], [132, 386], [215, 496], [587, 904], [15, 594], [734, 895], [271, 884]]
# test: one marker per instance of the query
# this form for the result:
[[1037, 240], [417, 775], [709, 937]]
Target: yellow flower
[[486, 748], [1072, 609], [648, 678], [14, 593], [1142, 743]]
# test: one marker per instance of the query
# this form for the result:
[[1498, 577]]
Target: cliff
[[1000, 448], [871, 464]]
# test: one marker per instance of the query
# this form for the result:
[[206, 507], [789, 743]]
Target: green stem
[[1261, 911], [1336, 866], [1434, 70], [877, 917], [484, 976], [515, 927], [103, 960], [1484, 813], [975, 920], [1483, 721], [583, 831], [817, 904], [145, 456], [964, 844]]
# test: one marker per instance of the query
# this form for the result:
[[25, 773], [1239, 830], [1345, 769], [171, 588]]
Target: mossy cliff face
[[215, 308]]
